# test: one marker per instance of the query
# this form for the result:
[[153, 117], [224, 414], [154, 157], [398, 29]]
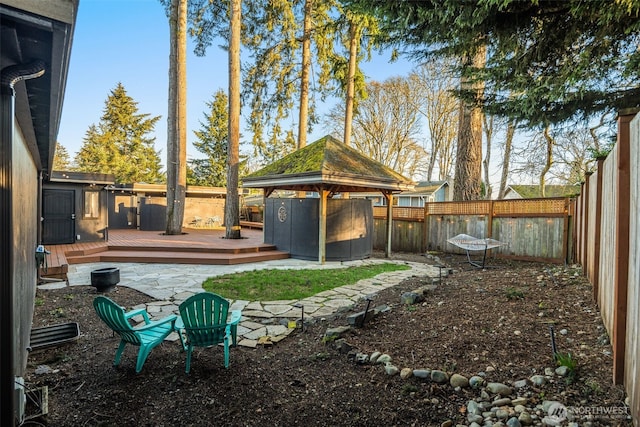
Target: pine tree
[[548, 61], [61, 159], [232, 204], [120, 144], [213, 137], [177, 114]]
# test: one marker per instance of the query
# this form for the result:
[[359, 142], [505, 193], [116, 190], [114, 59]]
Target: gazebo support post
[[322, 226], [389, 198]]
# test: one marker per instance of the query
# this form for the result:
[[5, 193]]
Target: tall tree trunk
[[303, 117], [506, 159], [351, 80], [549, 160], [469, 150], [488, 134], [232, 205], [177, 118]]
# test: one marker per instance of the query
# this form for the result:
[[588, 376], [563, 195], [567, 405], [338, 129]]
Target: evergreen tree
[[232, 204], [177, 117], [213, 137], [120, 144], [61, 159], [548, 61]]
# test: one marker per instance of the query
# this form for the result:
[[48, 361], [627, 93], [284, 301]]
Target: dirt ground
[[493, 322]]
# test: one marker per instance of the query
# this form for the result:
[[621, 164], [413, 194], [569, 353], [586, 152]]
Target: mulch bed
[[495, 321]]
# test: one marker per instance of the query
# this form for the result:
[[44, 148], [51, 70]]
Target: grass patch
[[514, 294], [273, 285]]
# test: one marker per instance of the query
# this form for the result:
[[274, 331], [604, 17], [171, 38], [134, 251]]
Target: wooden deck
[[196, 246]]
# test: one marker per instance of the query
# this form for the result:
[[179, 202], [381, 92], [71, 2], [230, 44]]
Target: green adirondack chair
[[145, 336], [203, 317]]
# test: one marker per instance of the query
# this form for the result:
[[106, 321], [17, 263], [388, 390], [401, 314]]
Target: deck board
[[195, 246]]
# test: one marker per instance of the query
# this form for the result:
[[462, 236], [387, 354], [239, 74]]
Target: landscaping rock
[[422, 373], [538, 380], [391, 369], [472, 407], [406, 373], [410, 298], [499, 388], [525, 419], [562, 371], [502, 402], [513, 422], [361, 358], [383, 359], [333, 333], [458, 380], [439, 377], [476, 381]]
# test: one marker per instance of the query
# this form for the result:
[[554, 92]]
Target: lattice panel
[[399, 212], [530, 206], [480, 207]]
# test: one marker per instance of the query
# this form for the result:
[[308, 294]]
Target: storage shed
[[74, 207]]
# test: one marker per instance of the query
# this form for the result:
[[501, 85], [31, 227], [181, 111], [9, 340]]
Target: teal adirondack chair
[[145, 336], [203, 317]]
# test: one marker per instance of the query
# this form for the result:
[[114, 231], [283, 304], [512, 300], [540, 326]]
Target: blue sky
[[127, 41]]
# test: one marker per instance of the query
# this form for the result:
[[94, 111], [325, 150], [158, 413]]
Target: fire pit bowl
[[104, 279]]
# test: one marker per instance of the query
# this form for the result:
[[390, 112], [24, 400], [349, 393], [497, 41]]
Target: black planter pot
[[104, 279]]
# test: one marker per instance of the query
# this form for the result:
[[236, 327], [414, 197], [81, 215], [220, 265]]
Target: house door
[[59, 214]]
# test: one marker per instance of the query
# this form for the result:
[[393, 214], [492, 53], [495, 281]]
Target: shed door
[[59, 213]]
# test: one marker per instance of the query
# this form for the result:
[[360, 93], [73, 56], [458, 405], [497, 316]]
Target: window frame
[[91, 204]]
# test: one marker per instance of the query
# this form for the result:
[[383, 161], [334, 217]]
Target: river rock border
[[497, 404]]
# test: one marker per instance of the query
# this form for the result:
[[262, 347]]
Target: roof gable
[[327, 162]]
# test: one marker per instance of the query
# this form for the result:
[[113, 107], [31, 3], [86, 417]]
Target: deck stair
[[178, 255], [196, 247]]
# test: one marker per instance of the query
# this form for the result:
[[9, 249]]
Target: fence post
[[425, 229], [598, 231], [622, 247], [389, 198], [580, 224], [566, 235], [585, 227], [490, 220]]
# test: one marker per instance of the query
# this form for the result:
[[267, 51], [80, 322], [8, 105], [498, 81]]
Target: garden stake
[[553, 344], [366, 311], [440, 267], [301, 306]]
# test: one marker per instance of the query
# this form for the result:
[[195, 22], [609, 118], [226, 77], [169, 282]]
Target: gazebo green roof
[[328, 164]]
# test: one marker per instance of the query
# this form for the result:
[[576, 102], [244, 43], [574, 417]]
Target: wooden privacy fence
[[608, 247], [533, 229]]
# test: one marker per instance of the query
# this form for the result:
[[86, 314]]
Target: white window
[[91, 204]]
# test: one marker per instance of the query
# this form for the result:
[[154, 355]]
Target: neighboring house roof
[[533, 191], [38, 32], [425, 188], [329, 164]]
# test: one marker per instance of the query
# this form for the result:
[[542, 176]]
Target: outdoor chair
[[203, 317], [145, 336]]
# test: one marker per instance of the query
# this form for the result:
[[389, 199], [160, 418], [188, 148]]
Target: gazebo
[[326, 167]]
